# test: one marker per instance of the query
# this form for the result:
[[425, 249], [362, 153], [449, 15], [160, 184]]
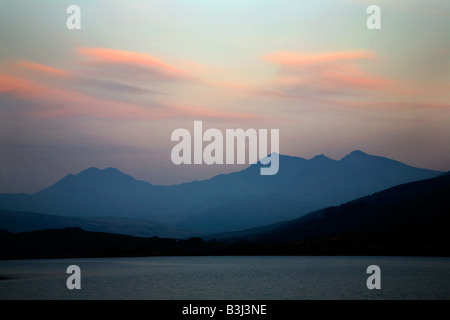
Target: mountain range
[[409, 219], [111, 201]]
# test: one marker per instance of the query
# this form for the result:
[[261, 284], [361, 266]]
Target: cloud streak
[[325, 75], [131, 64], [301, 59], [47, 101], [41, 68]]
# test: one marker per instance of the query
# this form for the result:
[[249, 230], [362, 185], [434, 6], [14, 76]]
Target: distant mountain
[[242, 213], [413, 214], [409, 219], [226, 202], [92, 192]]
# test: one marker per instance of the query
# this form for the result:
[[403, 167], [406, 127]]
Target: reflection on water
[[275, 278]]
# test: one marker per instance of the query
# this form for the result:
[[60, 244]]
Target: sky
[[111, 93]]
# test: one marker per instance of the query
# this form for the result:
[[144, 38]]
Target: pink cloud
[[202, 113], [327, 74], [59, 103], [299, 59], [41, 68], [134, 62], [64, 99], [51, 102], [397, 105], [21, 87]]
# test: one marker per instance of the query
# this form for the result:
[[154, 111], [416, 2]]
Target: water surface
[[242, 278]]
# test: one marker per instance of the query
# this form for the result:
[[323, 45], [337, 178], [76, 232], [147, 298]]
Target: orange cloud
[[58, 103], [324, 75], [41, 68], [350, 76], [202, 113], [20, 87], [111, 57], [298, 59], [51, 102]]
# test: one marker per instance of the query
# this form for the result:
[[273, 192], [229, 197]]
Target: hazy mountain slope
[[28, 221], [244, 213], [417, 210]]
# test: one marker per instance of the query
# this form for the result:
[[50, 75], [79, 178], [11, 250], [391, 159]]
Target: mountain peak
[[93, 179], [320, 157], [93, 171], [356, 154], [90, 170]]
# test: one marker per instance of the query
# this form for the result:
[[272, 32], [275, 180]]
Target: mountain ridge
[[304, 185], [411, 219]]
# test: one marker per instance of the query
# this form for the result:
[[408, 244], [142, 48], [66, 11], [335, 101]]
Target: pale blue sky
[[72, 99]]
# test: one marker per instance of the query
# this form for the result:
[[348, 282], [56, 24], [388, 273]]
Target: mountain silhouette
[[225, 202], [411, 215], [409, 219]]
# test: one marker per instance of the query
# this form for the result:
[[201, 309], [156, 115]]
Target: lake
[[228, 278]]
